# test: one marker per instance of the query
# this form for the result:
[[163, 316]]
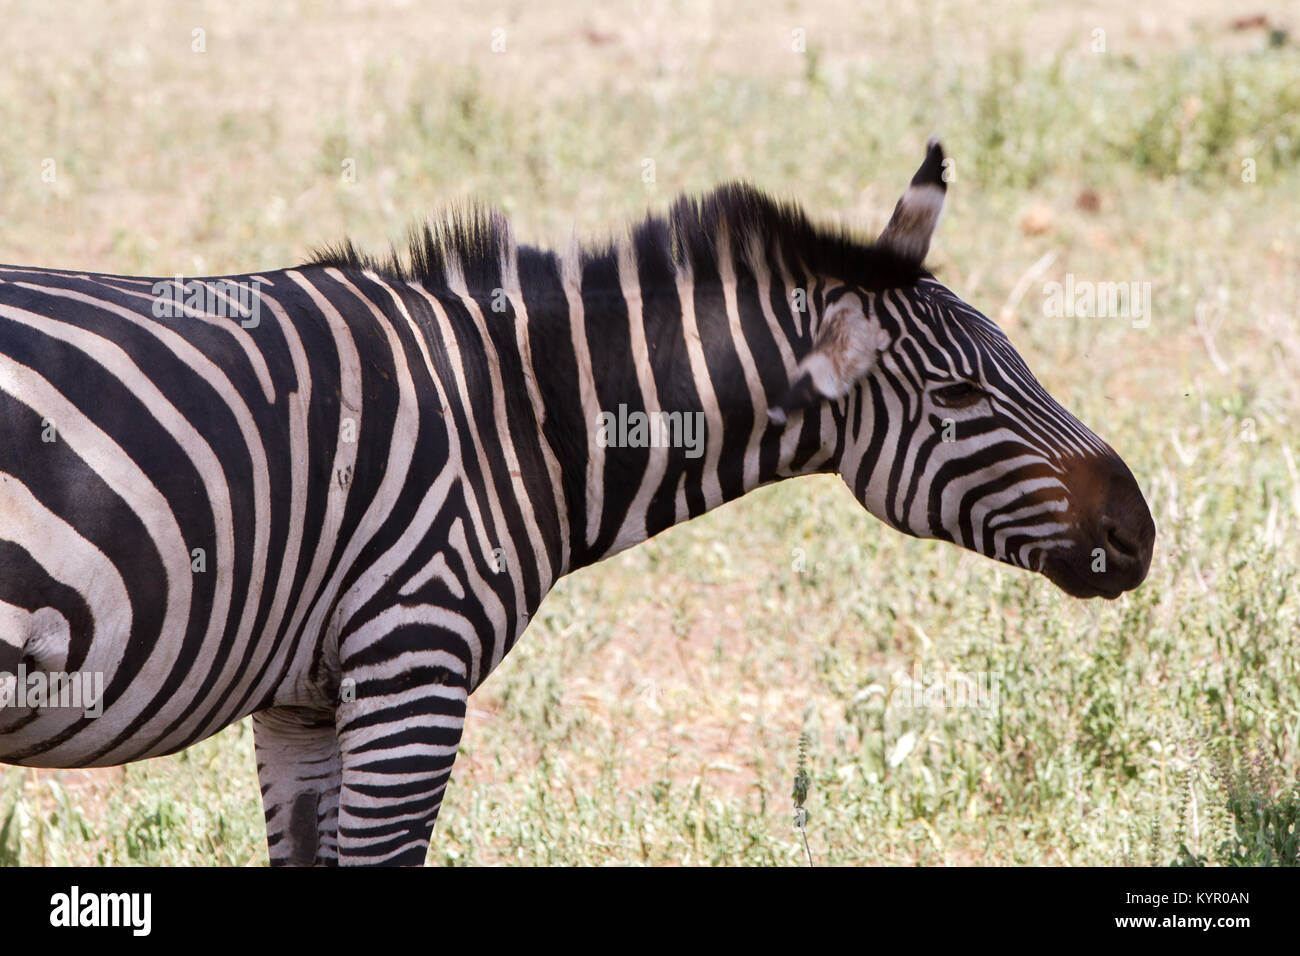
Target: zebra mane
[[757, 225], [468, 244]]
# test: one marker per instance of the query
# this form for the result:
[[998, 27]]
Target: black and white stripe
[[386, 473]]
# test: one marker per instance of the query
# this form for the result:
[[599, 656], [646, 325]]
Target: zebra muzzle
[[1115, 536]]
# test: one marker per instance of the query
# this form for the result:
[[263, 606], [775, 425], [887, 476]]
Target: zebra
[[332, 497]]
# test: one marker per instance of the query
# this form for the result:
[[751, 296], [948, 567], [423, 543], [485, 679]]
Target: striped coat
[[334, 496]]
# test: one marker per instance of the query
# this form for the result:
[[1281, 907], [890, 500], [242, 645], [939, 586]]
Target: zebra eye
[[957, 395]]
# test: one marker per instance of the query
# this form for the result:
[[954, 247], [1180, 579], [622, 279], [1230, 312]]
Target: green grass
[[653, 714]]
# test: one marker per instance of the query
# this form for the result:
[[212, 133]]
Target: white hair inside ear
[[847, 346]]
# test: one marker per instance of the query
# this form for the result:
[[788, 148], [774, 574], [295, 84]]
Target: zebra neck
[[655, 387]]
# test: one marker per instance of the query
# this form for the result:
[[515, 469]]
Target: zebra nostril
[[1119, 541]]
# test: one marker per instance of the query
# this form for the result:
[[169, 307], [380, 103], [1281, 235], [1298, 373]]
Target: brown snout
[[1114, 533]]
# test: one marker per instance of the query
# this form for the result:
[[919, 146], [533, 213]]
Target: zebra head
[[943, 431]]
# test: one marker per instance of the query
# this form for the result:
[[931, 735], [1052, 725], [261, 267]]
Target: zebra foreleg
[[398, 749], [299, 768]]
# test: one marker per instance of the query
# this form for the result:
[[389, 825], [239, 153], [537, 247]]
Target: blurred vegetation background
[[653, 713]]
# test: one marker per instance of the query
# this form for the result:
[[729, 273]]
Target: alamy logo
[[626, 429], [77, 690], [948, 689], [75, 908], [213, 298], [1081, 298]]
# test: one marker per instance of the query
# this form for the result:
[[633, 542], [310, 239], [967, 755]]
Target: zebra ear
[[917, 213], [848, 343]]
